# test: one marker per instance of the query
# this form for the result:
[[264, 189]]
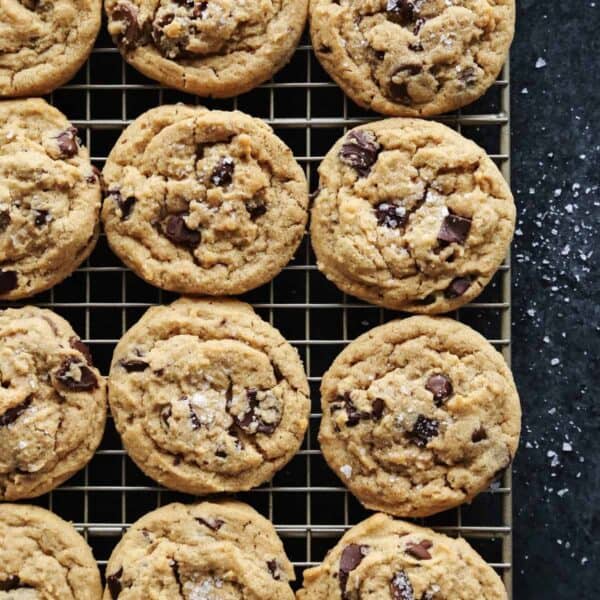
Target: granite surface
[[556, 178]]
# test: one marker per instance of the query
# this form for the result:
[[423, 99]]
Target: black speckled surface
[[556, 180]]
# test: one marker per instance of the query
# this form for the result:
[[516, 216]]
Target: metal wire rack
[[307, 503]]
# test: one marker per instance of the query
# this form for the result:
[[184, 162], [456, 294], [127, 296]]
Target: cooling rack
[[307, 503]]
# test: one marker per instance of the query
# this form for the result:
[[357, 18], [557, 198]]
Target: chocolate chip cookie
[[213, 48], [208, 397], [419, 416], [49, 198], [411, 216], [386, 559], [411, 58], [43, 43], [52, 402], [203, 202], [42, 556], [212, 550]]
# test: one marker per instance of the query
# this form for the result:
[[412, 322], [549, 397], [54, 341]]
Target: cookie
[[203, 202], [216, 48], [52, 402], [411, 216], [42, 556], [49, 198], [386, 559], [207, 396], [43, 43], [419, 416], [412, 58]]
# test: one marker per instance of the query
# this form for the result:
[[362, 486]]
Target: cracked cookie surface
[[385, 559], [203, 202], [207, 396], [419, 416], [52, 402], [43, 43], [412, 58], [206, 551], [213, 48], [42, 557], [49, 198], [411, 216]]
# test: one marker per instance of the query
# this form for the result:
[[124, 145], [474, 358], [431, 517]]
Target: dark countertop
[[556, 319]]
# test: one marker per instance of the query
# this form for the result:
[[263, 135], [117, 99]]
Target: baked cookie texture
[[216, 48], [411, 216], [42, 556], [412, 58], [49, 198], [207, 396], [203, 202], [43, 43], [52, 402], [211, 550], [419, 416], [386, 559]]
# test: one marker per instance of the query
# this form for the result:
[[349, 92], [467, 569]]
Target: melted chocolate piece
[[165, 415], [127, 14], [458, 287], [423, 430], [400, 11], [196, 424], [454, 229], [249, 422], [96, 176], [399, 89], [134, 365], [179, 233], [8, 281], [401, 587], [78, 345], [390, 214], [12, 582], [213, 524], [354, 416], [12, 414], [352, 556], [274, 569], [41, 217], [86, 382], [222, 174], [440, 386], [114, 583], [256, 208], [67, 142], [479, 435], [468, 76], [419, 551], [360, 150], [377, 410], [4, 220]]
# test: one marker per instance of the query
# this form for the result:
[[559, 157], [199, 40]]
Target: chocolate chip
[[213, 524], [256, 208], [114, 583], [390, 215], [222, 174], [87, 380], [12, 414], [126, 206], [274, 569], [458, 287], [479, 435], [170, 46], [400, 11], [377, 410], [4, 220], [12, 582], [41, 217], [454, 229], [360, 151], [165, 415], [8, 281], [399, 82], [249, 422], [353, 415], [127, 14], [401, 587], [352, 556], [440, 386], [419, 551], [423, 430], [134, 365], [67, 142], [417, 28], [196, 424], [78, 345], [179, 233], [468, 76]]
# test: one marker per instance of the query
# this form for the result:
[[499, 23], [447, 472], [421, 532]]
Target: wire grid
[[308, 505]]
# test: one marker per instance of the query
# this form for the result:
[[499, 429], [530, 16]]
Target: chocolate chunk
[[67, 142], [401, 587], [12, 582], [274, 569], [125, 205], [417, 28], [400, 11], [78, 345], [423, 430], [377, 410], [390, 214], [4, 220], [416, 47], [360, 151], [165, 415], [12, 414], [454, 229], [114, 583], [468, 76], [179, 233], [399, 82], [354, 415], [41, 217], [134, 365], [479, 435], [196, 424], [458, 287], [87, 380], [222, 174], [256, 208], [8, 281], [249, 422], [419, 551], [213, 524], [169, 45], [127, 14], [352, 556], [440, 386]]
